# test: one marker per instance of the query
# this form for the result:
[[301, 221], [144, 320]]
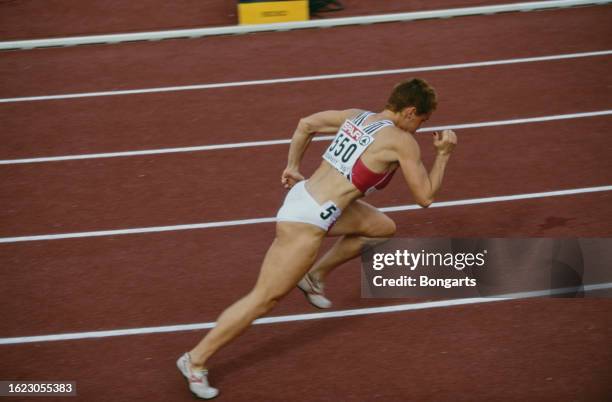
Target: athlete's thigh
[[363, 219], [290, 256]]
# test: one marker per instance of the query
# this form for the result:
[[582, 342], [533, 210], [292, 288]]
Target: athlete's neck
[[389, 115]]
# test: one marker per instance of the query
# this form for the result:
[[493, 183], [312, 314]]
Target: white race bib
[[347, 146]]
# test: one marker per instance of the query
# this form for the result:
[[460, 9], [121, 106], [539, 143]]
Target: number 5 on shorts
[[329, 211]]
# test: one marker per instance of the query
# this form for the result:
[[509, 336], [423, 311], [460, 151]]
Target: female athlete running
[[366, 151]]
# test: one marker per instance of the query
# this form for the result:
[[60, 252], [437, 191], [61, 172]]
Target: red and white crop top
[[344, 153]]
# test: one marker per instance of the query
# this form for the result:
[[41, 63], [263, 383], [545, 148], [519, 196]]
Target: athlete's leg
[[290, 256], [360, 225]]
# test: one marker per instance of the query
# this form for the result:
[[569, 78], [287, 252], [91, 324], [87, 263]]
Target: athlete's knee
[[390, 228], [265, 300], [383, 226], [267, 305]]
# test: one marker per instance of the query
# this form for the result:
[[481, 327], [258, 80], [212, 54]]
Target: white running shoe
[[314, 292], [198, 380]]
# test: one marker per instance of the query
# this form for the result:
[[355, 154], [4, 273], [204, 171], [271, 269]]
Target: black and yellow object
[[268, 12]]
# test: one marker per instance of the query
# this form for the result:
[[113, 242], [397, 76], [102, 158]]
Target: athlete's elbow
[[306, 126]]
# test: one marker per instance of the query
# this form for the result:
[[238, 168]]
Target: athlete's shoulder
[[392, 133], [399, 140], [328, 121], [352, 113]]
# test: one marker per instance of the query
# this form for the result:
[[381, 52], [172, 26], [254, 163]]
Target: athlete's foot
[[197, 379], [313, 289]]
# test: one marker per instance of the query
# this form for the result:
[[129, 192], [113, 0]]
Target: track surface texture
[[61, 18], [522, 350]]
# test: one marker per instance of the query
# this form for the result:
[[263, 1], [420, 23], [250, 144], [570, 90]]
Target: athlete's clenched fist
[[445, 141]]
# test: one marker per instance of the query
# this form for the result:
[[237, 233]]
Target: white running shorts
[[299, 206]]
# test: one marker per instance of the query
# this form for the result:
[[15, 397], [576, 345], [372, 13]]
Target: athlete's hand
[[290, 177], [445, 141]]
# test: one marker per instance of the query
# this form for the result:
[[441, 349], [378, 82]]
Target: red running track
[[524, 350], [131, 281], [121, 123], [60, 18], [501, 351], [120, 193]]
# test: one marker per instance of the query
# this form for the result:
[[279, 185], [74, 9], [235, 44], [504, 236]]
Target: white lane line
[[304, 317], [249, 144], [208, 225], [308, 78]]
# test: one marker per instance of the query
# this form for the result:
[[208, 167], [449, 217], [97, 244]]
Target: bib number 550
[[339, 148]]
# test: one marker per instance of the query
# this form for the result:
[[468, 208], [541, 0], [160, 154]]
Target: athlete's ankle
[[196, 362], [317, 276], [195, 367]]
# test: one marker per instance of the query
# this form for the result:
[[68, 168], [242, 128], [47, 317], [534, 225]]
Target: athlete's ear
[[409, 112]]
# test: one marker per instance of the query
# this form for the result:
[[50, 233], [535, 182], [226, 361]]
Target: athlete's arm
[[327, 122], [423, 185], [322, 122]]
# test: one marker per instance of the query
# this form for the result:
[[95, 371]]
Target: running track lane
[[503, 351], [190, 276], [304, 52], [74, 17], [190, 118], [63, 197]]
